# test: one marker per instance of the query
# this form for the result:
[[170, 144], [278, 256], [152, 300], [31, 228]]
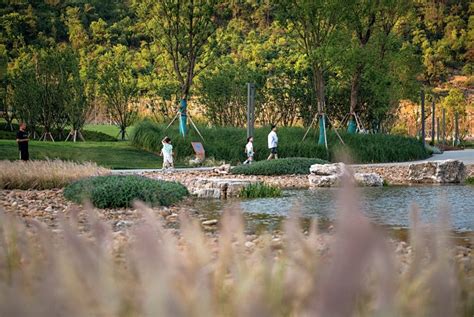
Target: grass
[[152, 271], [116, 155], [115, 191], [44, 174], [260, 190], [227, 143], [286, 166], [470, 180]]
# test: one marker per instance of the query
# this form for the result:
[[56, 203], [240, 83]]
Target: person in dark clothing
[[22, 140]]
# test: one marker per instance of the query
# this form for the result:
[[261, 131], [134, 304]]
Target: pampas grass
[[158, 273], [44, 174]]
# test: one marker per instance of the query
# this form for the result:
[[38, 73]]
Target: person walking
[[273, 143], [249, 150], [167, 153], [22, 140]]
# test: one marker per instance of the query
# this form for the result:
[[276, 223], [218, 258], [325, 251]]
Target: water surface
[[388, 206]]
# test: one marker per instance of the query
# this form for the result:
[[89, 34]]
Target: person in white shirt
[[167, 153], [273, 143], [249, 150]]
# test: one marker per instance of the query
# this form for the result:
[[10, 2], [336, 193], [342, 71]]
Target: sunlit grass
[[44, 174]]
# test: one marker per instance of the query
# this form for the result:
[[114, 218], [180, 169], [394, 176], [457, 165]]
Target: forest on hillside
[[61, 60]]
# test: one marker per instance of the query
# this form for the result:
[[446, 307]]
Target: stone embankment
[[218, 184]]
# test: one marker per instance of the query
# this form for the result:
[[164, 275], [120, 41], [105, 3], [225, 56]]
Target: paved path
[[466, 156], [139, 171]]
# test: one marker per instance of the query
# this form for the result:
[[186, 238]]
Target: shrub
[[286, 166], [115, 191], [260, 190], [227, 143], [44, 174]]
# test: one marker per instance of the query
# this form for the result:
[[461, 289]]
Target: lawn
[[116, 155]]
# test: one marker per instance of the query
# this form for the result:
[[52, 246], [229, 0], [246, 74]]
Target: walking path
[[466, 156]]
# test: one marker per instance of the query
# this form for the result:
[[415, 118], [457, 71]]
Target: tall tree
[[316, 23], [118, 87], [184, 28]]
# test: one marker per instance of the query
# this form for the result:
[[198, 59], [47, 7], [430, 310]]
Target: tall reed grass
[[157, 273], [227, 143], [44, 174]]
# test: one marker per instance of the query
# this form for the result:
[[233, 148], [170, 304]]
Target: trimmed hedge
[[227, 143], [286, 166], [115, 191]]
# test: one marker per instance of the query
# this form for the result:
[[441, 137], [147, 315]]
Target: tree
[[118, 87], [454, 103], [184, 28]]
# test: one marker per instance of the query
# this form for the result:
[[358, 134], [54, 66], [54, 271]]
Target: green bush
[[260, 190], [286, 166], [114, 191], [470, 180], [227, 143]]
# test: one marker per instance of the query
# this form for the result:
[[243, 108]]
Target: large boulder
[[328, 169], [218, 187], [332, 175], [437, 172], [368, 179]]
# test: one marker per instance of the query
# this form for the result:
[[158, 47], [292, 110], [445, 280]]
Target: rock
[[14, 204], [249, 245], [49, 209], [123, 223], [223, 169], [327, 169], [449, 171], [212, 222], [368, 179], [324, 181], [218, 187]]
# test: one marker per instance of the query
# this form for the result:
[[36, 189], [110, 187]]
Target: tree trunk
[[320, 88], [355, 85]]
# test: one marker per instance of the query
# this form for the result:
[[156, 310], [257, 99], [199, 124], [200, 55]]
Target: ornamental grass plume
[[159, 272], [44, 174]]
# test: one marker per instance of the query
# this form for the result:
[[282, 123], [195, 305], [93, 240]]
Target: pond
[[387, 206]]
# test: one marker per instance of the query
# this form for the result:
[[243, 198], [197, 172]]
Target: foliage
[[44, 174], [470, 180], [184, 30], [115, 191], [260, 190], [368, 54], [356, 271], [117, 85], [228, 144], [454, 103], [286, 166]]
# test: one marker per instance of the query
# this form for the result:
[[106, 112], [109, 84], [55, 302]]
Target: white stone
[[328, 169], [368, 179], [212, 222], [324, 181]]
